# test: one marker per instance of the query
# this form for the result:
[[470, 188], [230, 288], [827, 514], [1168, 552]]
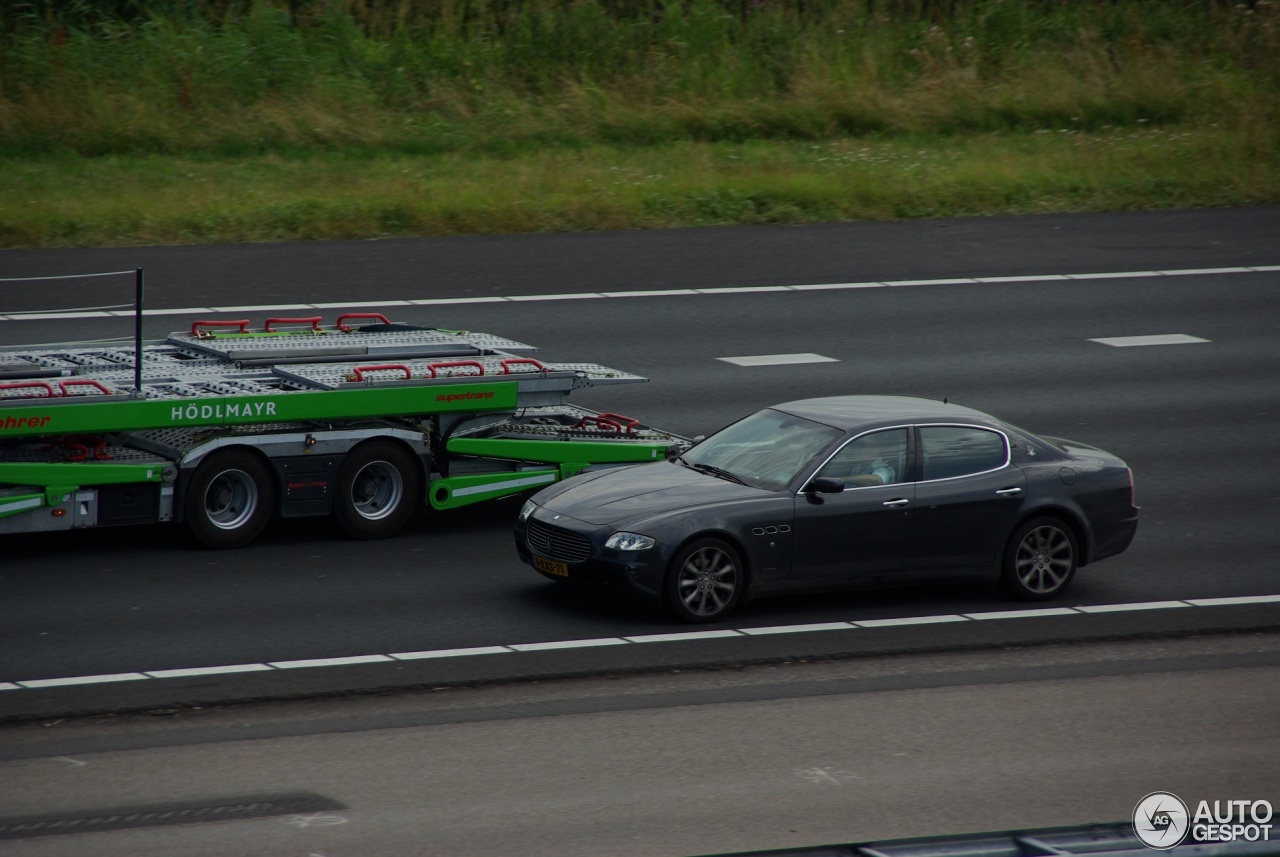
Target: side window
[[955, 451], [879, 458]]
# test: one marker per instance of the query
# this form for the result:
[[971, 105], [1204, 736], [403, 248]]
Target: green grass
[[194, 120]]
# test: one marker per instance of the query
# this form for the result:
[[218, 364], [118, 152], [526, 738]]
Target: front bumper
[[575, 554]]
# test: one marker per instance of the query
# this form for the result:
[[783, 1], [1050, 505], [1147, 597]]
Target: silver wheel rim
[[707, 581], [1044, 560], [231, 499], [377, 490]]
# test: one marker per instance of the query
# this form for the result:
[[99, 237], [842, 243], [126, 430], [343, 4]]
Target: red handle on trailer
[[346, 328], [527, 361], [83, 382], [629, 423], [456, 364], [243, 324], [314, 321], [39, 385], [610, 422], [601, 422], [359, 371]]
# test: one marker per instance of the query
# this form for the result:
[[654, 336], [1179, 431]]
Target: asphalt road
[[1196, 421], [779, 756]]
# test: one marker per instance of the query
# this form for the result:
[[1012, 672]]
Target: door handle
[[901, 502], [1009, 492]]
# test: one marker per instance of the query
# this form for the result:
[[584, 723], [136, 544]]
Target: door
[[967, 500], [863, 532]]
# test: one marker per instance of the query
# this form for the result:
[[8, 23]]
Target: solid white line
[[909, 620], [950, 281], [568, 644], [452, 653], [818, 286], [658, 293], [1024, 614], [647, 638], [1043, 278], [1138, 605], [572, 296], [82, 679], [263, 308], [688, 635], [739, 290], [329, 662], [435, 301], [798, 629], [198, 671], [650, 293], [1242, 599]]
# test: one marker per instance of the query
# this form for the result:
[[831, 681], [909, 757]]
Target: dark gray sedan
[[837, 492]]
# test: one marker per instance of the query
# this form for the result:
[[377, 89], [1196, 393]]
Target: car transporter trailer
[[222, 426]]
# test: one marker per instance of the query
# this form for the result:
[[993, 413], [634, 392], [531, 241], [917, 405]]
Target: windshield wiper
[[714, 471]]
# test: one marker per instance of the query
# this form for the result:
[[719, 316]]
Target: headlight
[[527, 509], [629, 542]]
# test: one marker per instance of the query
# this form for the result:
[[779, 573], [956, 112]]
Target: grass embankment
[[221, 121]]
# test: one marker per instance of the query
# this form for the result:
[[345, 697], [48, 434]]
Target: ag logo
[[1161, 820]]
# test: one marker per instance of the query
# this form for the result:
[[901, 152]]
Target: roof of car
[[851, 411]]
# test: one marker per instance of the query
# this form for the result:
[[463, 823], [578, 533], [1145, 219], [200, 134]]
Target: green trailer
[[225, 425]]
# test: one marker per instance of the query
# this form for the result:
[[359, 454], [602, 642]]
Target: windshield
[[767, 449]]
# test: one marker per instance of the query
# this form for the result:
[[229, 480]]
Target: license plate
[[550, 567]]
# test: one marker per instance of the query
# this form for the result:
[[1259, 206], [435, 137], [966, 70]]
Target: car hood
[[636, 492]]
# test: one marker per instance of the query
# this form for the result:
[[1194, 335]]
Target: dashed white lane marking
[[908, 620], [1155, 339], [657, 293], [82, 679], [778, 359], [199, 671], [452, 653], [568, 644], [688, 636], [329, 662], [1145, 605]]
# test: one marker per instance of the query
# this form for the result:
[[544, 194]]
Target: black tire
[[705, 581], [230, 499], [1039, 560], [379, 488]]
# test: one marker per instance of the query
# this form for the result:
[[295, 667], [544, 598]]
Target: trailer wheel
[[378, 490], [230, 499]]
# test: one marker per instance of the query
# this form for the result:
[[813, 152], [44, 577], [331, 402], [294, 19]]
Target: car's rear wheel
[[706, 581], [1040, 559]]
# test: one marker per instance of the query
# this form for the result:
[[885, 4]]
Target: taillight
[[1131, 494]]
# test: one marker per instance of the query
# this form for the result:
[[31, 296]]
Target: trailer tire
[[230, 499], [378, 490]]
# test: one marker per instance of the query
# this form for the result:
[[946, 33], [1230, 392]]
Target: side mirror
[[826, 485]]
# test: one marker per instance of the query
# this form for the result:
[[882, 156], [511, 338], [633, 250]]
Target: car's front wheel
[[706, 581], [1039, 560]]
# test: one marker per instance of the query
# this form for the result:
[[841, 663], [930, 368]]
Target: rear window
[[951, 451]]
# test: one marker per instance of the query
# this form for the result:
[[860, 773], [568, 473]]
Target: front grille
[[556, 543]]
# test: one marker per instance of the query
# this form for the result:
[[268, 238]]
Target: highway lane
[[1195, 421], [774, 756]]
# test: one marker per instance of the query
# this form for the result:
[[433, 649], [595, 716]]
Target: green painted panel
[[78, 473], [455, 491], [120, 413]]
